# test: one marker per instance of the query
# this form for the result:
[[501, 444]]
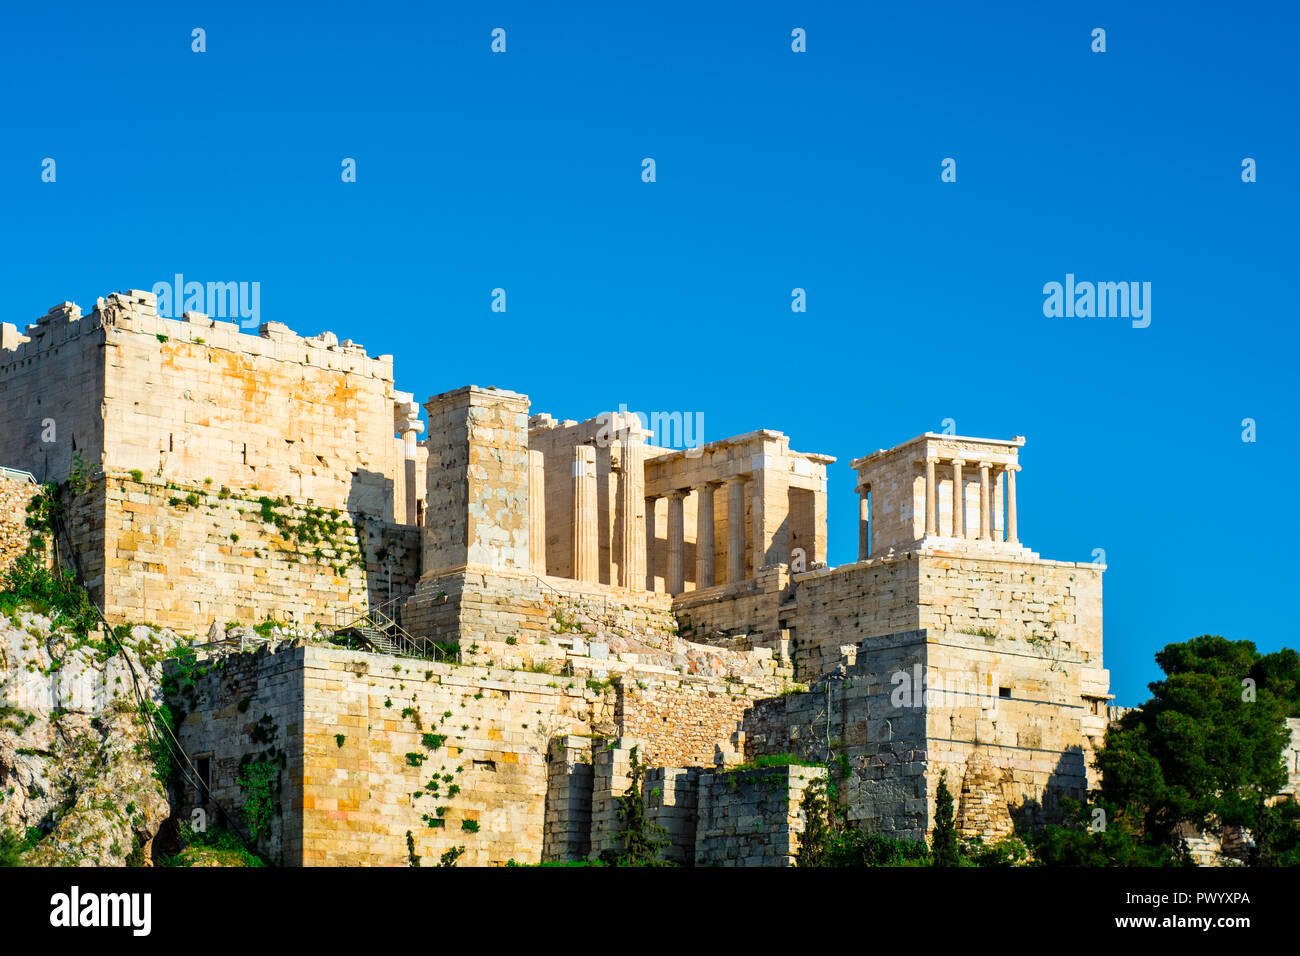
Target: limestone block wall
[[1048, 603], [1028, 600], [752, 817], [183, 556], [367, 773], [15, 496], [671, 796], [908, 706], [1022, 706], [51, 380], [566, 833], [681, 723], [247, 708], [481, 782], [477, 481], [845, 605], [611, 762], [519, 617], [749, 607]]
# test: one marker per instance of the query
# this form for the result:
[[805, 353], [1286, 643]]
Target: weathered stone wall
[[752, 817], [246, 708], [907, 707], [477, 481], [520, 617], [566, 831], [671, 798], [685, 723], [360, 797], [356, 792], [752, 607], [51, 383], [848, 604], [15, 496], [1052, 603], [199, 399], [184, 556]]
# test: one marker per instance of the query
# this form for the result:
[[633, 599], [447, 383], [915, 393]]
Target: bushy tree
[[1203, 752]]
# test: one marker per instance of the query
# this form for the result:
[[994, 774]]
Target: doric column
[[537, 511], [958, 500], [631, 501], [1011, 504], [735, 529], [676, 542], [931, 520], [704, 535], [650, 504], [986, 526], [864, 522], [585, 550]]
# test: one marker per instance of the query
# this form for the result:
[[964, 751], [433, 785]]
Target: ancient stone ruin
[[530, 601]]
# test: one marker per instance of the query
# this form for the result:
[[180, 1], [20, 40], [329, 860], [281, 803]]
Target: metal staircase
[[379, 630]]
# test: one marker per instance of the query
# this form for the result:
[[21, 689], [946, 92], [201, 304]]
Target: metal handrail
[[380, 620], [17, 474]]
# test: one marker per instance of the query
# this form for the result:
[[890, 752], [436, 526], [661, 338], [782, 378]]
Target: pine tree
[[944, 842]]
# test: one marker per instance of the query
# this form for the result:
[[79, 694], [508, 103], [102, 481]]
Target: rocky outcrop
[[77, 775]]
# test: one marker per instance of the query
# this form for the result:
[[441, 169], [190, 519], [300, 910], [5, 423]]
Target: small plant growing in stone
[[449, 857], [469, 825], [340, 739]]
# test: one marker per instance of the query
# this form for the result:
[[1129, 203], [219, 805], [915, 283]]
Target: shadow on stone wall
[[1066, 781]]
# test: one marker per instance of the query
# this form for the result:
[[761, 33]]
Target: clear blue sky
[[775, 170]]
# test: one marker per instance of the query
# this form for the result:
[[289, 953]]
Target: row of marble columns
[[959, 499], [987, 479], [636, 538], [705, 545]]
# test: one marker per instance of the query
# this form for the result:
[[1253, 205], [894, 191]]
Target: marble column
[[986, 526], [585, 550], [931, 519], [676, 542], [735, 529], [704, 577], [864, 522], [631, 501], [958, 500], [1011, 504], [537, 511], [650, 503]]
